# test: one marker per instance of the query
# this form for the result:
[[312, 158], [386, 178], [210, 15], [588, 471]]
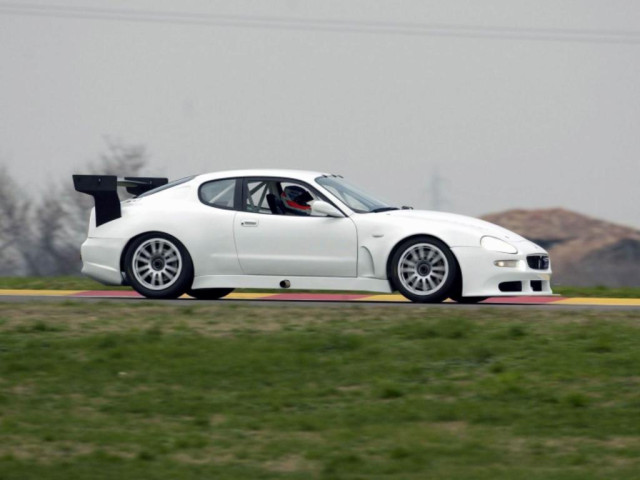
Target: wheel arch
[[395, 248], [123, 254]]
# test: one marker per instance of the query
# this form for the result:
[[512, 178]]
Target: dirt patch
[[289, 464], [456, 428], [204, 457], [32, 449]]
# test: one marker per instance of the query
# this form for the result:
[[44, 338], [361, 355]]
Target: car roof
[[305, 175]]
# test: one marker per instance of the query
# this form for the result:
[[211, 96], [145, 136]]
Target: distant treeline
[[41, 235]]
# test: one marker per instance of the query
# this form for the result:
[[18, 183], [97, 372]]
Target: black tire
[[209, 293], [175, 276], [427, 272], [456, 292]]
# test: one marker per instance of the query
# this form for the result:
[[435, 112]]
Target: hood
[[480, 226]]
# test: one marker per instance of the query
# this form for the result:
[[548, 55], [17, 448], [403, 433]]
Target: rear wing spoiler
[[104, 190]]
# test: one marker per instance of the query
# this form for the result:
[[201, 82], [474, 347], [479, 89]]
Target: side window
[[258, 194], [219, 193], [278, 197]]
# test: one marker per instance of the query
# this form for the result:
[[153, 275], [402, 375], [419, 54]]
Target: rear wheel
[[423, 269], [158, 266], [209, 293]]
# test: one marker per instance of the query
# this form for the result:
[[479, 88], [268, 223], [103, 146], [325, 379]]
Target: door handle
[[249, 223]]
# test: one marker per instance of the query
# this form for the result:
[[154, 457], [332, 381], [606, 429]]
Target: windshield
[[353, 197]]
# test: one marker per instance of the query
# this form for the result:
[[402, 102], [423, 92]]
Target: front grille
[[538, 262], [510, 286]]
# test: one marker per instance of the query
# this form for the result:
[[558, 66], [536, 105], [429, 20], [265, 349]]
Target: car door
[[276, 236]]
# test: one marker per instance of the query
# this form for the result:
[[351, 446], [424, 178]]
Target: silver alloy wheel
[[423, 269], [157, 264]]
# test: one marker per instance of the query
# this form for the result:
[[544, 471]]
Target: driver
[[296, 200]]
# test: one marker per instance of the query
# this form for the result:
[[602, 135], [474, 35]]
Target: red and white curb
[[328, 297]]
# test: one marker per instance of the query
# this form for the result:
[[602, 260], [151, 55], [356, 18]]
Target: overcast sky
[[542, 114]]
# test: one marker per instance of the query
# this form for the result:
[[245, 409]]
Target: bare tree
[[14, 212], [58, 222], [121, 160], [47, 249]]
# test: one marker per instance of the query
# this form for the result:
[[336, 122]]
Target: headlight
[[496, 245]]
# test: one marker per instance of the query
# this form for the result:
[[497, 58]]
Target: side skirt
[[302, 283]]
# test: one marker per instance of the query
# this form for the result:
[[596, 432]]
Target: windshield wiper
[[384, 209]]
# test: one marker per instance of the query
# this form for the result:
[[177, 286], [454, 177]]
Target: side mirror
[[324, 209]]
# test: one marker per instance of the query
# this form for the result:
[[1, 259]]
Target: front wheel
[[424, 270], [209, 293], [158, 266]]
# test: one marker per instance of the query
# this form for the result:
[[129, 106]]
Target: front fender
[[379, 238]]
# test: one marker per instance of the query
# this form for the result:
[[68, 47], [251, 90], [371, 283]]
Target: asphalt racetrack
[[320, 299]]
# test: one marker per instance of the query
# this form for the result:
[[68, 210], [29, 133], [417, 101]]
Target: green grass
[[148, 391], [618, 292], [84, 283], [54, 283]]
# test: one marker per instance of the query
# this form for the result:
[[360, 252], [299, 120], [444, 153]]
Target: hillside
[[584, 251]]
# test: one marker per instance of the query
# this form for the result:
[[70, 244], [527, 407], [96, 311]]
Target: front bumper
[[482, 278], [101, 259]]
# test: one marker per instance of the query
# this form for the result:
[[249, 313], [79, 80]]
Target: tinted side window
[[219, 193]]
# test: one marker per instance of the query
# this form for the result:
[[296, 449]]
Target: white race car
[[277, 229]]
